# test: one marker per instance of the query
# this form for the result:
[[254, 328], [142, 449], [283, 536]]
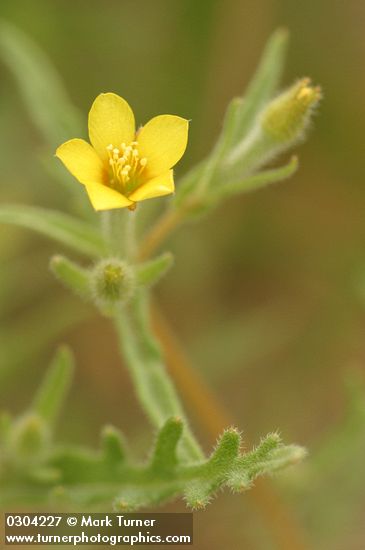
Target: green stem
[[138, 345], [155, 390], [118, 230]]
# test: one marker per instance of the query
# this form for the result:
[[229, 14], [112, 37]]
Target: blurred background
[[267, 294]]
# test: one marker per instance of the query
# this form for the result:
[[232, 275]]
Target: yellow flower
[[123, 166]]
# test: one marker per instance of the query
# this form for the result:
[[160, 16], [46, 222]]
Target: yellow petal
[[82, 161], [155, 187], [111, 121], [105, 198], [163, 142]]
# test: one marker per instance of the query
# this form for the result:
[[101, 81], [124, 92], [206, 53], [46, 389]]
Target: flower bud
[[29, 437], [286, 118], [112, 283]]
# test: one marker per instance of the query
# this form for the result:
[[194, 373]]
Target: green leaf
[[192, 187], [40, 86], [214, 472], [239, 120], [51, 395], [226, 451], [198, 494], [150, 272], [262, 452], [60, 227], [263, 84], [260, 180], [79, 465], [165, 456], [282, 457], [71, 275], [251, 464], [28, 440], [113, 446]]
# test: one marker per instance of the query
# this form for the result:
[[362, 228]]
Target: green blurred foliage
[[273, 292]]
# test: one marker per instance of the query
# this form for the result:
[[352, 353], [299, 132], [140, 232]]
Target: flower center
[[126, 167]]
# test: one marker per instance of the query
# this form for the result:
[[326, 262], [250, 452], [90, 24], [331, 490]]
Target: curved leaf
[[60, 227]]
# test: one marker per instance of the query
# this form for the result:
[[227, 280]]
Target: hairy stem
[[138, 345], [118, 228], [154, 388]]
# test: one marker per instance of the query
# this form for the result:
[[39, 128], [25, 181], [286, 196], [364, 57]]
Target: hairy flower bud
[[286, 118], [112, 283]]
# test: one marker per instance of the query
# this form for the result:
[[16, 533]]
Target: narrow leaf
[[260, 180], [193, 186], [113, 445], [252, 464], [226, 451], [284, 456], [71, 275], [165, 456], [50, 396], [60, 227], [274, 460], [79, 465], [150, 272], [40, 85], [262, 452], [199, 493], [263, 84]]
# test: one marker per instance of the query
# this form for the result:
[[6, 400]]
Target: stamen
[[125, 166]]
